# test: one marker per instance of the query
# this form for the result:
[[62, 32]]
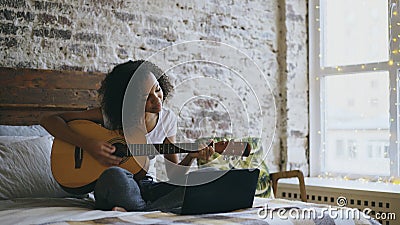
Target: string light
[[396, 181], [367, 180]]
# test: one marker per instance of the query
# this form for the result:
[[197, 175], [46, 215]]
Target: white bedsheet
[[50, 210], [63, 211], [46, 210]]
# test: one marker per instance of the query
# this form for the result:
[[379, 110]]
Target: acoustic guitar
[[77, 171]]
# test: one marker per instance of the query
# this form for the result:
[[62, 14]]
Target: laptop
[[228, 190]]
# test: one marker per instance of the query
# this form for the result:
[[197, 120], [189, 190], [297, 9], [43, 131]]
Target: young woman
[[116, 188]]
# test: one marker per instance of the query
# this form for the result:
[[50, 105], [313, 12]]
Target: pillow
[[11, 139], [25, 169], [32, 130], [254, 160]]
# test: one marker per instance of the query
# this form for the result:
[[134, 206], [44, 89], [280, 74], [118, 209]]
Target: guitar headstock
[[232, 148]]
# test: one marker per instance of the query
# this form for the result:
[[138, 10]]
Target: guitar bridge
[[78, 157]]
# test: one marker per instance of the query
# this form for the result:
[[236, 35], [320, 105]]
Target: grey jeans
[[116, 187]]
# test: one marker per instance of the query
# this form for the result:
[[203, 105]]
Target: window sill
[[346, 184]]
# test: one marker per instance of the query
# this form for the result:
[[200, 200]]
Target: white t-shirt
[[166, 127]]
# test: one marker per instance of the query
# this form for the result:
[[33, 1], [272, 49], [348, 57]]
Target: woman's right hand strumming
[[102, 151]]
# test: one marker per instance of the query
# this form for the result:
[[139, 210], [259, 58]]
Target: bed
[[30, 195]]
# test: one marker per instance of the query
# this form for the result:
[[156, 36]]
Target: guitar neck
[[156, 149], [229, 148]]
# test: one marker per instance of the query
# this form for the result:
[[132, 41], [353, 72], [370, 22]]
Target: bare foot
[[120, 209]]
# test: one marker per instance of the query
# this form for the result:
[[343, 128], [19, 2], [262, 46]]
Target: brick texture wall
[[250, 80]]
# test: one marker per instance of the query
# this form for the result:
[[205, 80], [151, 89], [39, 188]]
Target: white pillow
[[11, 139], [25, 169], [32, 130]]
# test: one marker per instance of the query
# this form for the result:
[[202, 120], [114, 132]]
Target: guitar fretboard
[[156, 149]]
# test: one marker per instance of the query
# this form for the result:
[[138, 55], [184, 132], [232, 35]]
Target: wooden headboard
[[28, 94]]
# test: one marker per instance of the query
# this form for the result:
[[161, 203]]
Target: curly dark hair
[[114, 85]]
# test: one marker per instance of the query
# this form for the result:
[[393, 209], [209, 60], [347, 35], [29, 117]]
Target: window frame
[[316, 81]]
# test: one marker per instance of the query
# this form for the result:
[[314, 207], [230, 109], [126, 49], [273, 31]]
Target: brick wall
[[261, 90], [295, 87]]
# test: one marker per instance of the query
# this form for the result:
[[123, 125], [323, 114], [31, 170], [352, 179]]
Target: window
[[354, 61]]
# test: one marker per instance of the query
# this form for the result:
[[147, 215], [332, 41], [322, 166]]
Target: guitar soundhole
[[121, 151]]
